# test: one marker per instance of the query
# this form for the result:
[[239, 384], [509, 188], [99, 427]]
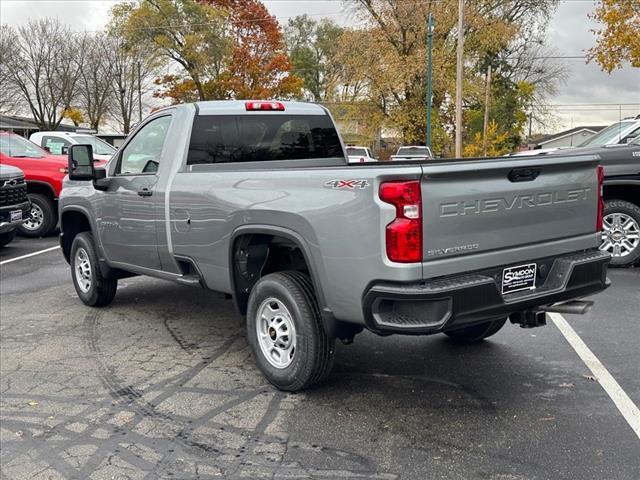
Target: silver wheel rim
[[82, 270], [621, 234], [36, 217], [276, 333]]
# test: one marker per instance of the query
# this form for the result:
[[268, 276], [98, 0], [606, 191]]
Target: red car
[[44, 173]]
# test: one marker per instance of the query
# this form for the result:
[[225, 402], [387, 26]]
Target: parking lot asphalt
[[161, 384]]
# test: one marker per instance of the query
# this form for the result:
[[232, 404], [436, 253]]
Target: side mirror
[[64, 150], [631, 139], [47, 149], [81, 162]]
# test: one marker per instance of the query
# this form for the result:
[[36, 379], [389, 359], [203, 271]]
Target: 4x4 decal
[[347, 184]]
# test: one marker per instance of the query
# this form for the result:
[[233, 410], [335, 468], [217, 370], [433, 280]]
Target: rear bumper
[[6, 224], [452, 302]]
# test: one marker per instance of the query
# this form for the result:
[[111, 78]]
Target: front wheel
[[91, 286], [42, 217], [285, 331], [476, 333], [621, 232]]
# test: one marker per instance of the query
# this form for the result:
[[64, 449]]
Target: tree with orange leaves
[[223, 48], [258, 65]]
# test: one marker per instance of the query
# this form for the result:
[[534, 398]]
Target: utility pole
[[459, 77], [139, 95], [485, 125], [430, 26]]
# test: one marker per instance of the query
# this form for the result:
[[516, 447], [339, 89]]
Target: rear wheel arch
[[629, 192], [257, 251]]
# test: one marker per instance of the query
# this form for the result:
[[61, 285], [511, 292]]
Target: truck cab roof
[[244, 107]]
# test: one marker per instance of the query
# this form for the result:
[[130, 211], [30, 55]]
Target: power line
[[593, 104], [549, 57], [205, 24]]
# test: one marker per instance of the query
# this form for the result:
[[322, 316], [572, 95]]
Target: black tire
[[101, 290], [42, 209], [313, 357], [629, 210], [7, 237], [476, 333]]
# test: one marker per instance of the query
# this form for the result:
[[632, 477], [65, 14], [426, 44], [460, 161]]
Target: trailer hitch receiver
[[529, 318]]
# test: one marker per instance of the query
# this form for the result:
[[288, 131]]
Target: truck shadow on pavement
[[162, 385], [171, 392]]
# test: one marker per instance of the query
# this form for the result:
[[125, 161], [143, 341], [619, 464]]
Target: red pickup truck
[[44, 173]]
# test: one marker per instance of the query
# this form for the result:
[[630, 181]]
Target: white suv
[[58, 143]]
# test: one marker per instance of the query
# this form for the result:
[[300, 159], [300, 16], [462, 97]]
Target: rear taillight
[[252, 106], [599, 225], [404, 234]]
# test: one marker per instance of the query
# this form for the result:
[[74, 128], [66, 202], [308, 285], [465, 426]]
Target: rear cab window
[[413, 151], [217, 139], [357, 152]]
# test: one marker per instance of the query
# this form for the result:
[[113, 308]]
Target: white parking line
[[627, 408], [30, 255]]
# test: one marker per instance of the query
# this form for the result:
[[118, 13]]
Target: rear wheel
[[7, 237], [285, 331], [42, 217], [621, 232], [91, 286], [476, 333]]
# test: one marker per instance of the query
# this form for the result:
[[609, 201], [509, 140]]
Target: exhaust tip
[[574, 307]]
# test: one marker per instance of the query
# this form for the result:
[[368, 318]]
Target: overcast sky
[[568, 33]]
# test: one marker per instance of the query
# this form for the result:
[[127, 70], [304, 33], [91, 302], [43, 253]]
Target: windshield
[[19, 147], [100, 147], [356, 152], [606, 135]]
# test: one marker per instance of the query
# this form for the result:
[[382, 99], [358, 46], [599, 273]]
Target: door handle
[[523, 174], [145, 192]]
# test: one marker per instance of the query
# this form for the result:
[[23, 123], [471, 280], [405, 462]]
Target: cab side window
[[55, 144], [142, 154]]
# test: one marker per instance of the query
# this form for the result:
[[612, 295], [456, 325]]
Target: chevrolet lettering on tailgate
[[489, 205]]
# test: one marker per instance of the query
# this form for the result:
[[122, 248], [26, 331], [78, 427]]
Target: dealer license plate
[[522, 277], [16, 215]]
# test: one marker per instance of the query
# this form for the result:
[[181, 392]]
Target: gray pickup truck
[[256, 200], [412, 152]]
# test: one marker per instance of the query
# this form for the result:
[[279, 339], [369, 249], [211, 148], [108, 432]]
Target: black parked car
[[14, 204], [621, 235]]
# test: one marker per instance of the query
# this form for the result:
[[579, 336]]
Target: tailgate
[[477, 207]]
